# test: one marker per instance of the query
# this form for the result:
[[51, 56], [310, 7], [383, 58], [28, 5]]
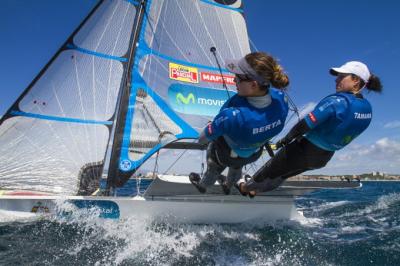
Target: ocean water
[[342, 227]]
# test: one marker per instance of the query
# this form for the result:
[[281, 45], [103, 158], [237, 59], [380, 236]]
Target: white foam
[[383, 202], [13, 216], [330, 205], [353, 229]]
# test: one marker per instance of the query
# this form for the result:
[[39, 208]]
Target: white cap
[[353, 67]]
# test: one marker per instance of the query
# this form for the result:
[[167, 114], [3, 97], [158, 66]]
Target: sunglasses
[[343, 75], [241, 78]]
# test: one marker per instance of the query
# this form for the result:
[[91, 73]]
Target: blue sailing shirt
[[246, 128], [337, 120]]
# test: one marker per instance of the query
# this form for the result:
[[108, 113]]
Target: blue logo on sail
[[194, 100], [125, 165]]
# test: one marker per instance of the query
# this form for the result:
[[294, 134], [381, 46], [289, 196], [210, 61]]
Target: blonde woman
[[246, 122]]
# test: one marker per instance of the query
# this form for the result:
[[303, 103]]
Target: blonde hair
[[267, 67]]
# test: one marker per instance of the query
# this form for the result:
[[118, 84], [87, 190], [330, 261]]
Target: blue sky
[[307, 36]]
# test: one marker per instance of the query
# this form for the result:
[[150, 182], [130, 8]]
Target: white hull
[[186, 207], [169, 210]]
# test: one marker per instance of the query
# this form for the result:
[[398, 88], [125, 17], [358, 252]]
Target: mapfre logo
[[183, 73], [217, 78]]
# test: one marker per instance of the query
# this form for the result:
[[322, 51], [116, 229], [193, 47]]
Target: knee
[[316, 164]]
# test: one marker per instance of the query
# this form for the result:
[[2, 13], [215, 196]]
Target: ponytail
[[374, 84], [279, 80], [267, 67]]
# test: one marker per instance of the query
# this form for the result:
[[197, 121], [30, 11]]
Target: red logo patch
[[312, 117], [209, 127], [216, 78]]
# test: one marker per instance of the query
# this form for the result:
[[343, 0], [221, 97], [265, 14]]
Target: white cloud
[[393, 124], [383, 155]]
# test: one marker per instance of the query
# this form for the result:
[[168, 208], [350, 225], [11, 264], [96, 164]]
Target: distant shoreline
[[363, 177]]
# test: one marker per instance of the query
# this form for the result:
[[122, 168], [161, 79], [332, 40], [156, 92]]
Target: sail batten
[[86, 51], [148, 51], [222, 6], [59, 118]]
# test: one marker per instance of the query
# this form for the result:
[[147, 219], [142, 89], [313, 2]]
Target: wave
[[383, 203], [329, 238], [329, 205]]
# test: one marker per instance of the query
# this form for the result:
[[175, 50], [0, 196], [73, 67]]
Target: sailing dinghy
[[134, 79]]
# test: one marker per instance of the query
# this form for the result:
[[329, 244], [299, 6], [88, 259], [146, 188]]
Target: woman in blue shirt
[[245, 122], [337, 120]]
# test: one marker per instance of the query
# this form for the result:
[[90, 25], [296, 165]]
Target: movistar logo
[[185, 100]]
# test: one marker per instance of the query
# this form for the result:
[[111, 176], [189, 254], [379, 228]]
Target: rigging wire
[[175, 162], [156, 164], [292, 105], [213, 50]]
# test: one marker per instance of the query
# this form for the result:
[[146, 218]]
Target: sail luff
[[113, 171]]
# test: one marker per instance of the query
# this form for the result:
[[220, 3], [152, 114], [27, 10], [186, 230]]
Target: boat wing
[[170, 185]]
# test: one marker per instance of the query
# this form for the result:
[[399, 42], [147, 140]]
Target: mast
[[123, 102]]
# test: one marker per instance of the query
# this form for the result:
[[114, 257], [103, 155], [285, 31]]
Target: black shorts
[[295, 158], [221, 153]]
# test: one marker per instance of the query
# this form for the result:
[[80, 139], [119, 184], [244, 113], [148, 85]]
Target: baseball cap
[[353, 67]]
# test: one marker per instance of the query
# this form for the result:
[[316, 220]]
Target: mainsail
[[62, 121], [177, 87], [133, 78]]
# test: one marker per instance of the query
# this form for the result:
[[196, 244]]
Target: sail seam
[[150, 51], [86, 51], [60, 119], [222, 6]]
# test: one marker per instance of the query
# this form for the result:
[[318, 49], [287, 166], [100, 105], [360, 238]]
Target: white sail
[[133, 78], [177, 86], [63, 119]]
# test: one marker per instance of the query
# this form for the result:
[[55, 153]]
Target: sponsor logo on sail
[[125, 165], [185, 100], [183, 73], [216, 78], [191, 99], [188, 99]]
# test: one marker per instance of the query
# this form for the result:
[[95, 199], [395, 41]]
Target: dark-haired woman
[[246, 122], [337, 120]]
